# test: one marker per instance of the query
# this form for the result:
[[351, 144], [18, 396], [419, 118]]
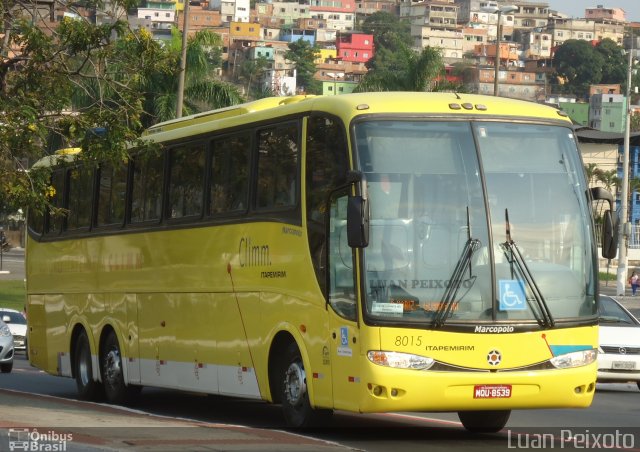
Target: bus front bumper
[[386, 389]]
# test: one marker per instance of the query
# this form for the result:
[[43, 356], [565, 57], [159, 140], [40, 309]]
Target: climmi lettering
[[251, 255], [493, 329]]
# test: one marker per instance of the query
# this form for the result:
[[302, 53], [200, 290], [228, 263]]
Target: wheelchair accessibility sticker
[[344, 349], [512, 295]]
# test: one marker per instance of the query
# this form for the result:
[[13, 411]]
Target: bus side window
[[111, 194], [229, 174], [186, 181], [146, 196], [277, 167], [80, 191]]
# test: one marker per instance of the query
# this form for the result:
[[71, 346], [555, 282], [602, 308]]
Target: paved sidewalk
[[49, 421]]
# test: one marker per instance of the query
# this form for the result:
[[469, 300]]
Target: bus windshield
[[475, 222]]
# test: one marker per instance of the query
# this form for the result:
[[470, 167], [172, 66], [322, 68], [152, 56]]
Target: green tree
[[579, 65], [203, 89], [387, 30], [591, 170], [418, 72], [303, 56], [250, 71], [39, 74], [609, 179], [57, 85], [635, 123], [467, 74], [614, 68]]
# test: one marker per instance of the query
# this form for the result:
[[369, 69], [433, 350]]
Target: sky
[[575, 8]]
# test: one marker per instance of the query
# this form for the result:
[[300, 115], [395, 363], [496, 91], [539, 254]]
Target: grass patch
[[13, 294], [608, 276]]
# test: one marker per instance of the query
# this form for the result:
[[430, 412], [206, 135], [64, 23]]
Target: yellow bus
[[374, 252]]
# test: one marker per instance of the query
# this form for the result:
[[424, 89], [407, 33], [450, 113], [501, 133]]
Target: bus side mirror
[[357, 222], [609, 236], [609, 224], [599, 193]]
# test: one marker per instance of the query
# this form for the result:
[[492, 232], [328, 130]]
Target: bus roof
[[222, 113], [61, 155], [345, 106], [348, 106]]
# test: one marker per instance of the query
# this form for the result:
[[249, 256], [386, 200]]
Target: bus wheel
[[88, 388], [294, 395], [484, 421], [115, 389]]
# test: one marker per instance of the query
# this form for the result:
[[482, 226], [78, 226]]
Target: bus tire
[[294, 395], [484, 421], [88, 388], [115, 389]]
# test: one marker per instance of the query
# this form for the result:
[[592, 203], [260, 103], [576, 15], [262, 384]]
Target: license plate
[[623, 365], [491, 391]]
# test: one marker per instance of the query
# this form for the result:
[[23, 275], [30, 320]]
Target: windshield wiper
[[612, 319], [513, 255], [445, 308]]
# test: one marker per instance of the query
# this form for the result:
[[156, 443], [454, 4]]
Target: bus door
[[344, 332]]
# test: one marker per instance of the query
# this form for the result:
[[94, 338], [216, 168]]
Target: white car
[[6, 349], [18, 325], [619, 350]]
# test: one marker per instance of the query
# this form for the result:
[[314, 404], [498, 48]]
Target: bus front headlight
[[400, 360], [574, 359]]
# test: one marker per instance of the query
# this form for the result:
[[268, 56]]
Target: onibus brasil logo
[[33, 440]]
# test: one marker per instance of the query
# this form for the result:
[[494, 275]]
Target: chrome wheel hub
[[295, 383], [112, 368]]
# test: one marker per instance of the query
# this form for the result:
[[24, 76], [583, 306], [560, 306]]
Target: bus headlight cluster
[[574, 359], [400, 360]]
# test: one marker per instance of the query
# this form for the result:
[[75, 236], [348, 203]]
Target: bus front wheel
[[88, 388], [484, 421], [115, 389], [294, 395]]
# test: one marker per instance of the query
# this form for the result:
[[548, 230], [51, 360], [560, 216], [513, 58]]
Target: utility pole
[[500, 11], [621, 277], [183, 60]]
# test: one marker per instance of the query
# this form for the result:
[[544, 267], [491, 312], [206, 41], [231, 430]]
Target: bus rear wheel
[[484, 421], [115, 389], [294, 395], [88, 388]]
